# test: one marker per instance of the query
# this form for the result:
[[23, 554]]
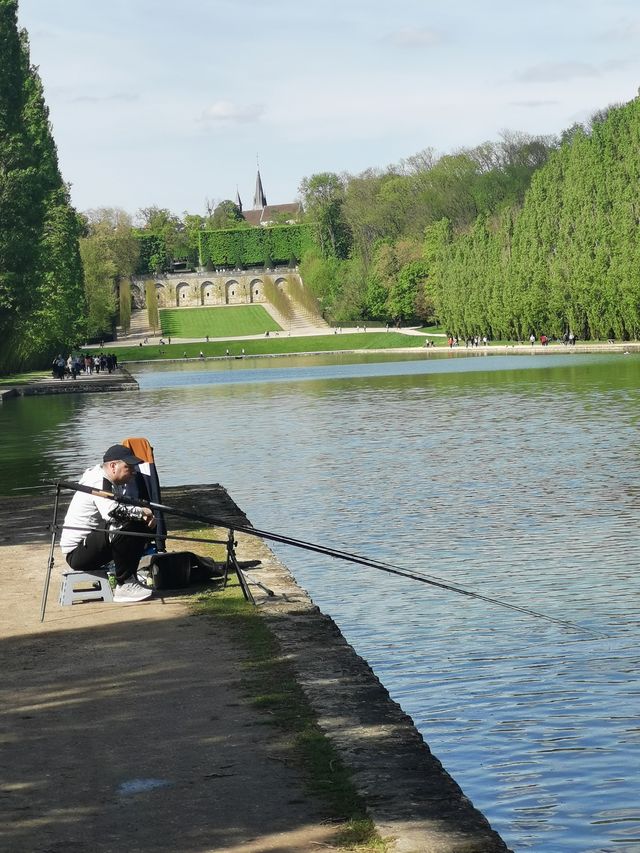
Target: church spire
[[238, 200], [259, 198]]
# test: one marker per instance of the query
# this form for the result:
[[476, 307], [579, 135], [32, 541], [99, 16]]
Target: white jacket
[[87, 512]]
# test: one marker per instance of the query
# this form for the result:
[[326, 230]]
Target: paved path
[[126, 728]]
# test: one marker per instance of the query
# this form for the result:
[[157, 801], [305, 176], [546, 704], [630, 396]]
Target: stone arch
[[161, 294], [256, 290], [283, 284], [137, 295], [232, 292], [207, 293], [182, 294]]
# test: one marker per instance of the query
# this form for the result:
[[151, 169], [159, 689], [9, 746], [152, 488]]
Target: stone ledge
[[408, 793], [8, 394], [91, 384]]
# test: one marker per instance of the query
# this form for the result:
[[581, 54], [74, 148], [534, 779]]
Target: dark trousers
[[101, 546]]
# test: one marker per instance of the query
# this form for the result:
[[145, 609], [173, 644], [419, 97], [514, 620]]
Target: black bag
[[179, 569], [171, 570]]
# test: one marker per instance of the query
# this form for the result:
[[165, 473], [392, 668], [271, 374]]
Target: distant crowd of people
[[475, 341], [568, 339], [75, 364]]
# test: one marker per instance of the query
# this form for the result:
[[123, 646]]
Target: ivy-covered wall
[[250, 247]]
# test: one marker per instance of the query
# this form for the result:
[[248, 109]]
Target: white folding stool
[[85, 586]]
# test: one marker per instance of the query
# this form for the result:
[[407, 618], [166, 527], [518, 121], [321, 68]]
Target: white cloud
[[623, 31], [226, 112], [414, 38], [556, 72], [344, 86]]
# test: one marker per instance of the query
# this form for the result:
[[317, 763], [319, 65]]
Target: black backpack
[[179, 569]]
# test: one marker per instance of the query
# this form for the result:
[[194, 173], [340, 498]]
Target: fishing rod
[[150, 536], [389, 568]]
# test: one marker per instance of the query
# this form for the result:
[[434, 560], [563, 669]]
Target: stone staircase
[[139, 326], [302, 322]]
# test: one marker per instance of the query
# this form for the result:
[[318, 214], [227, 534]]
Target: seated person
[[93, 527]]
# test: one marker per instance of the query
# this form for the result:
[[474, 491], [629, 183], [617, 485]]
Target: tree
[[125, 305], [41, 300], [110, 253], [226, 215], [567, 258], [407, 292], [152, 304], [393, 282], [169, 228], [319, 274], [194, 224], [361, 212], [350, 300], [99, 284], [114, 226], [323, 199]]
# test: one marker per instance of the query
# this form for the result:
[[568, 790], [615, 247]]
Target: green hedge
[[249, 247]]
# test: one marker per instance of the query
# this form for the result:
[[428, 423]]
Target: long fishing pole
[[431, 580], [150, 536]]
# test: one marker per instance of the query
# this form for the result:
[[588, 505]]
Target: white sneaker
[[130, 591]]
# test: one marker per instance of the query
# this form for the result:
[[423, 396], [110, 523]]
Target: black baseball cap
[[120, 453]]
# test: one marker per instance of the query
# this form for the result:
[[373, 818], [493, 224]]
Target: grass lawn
[[433, 330], [216, 322], [14, 379], [273, 345]]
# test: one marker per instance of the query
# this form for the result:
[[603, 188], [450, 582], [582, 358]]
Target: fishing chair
[[146, 485]]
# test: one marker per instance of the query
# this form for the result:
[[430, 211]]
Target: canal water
[[516, 477]]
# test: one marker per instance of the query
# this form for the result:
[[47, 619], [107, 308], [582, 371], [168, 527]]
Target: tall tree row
[[41, 290], [376, 268], [567, 260]]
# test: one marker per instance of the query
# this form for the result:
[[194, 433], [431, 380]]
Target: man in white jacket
[[93, 526]]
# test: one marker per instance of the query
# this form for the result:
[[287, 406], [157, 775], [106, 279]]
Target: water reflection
[[514, 476]]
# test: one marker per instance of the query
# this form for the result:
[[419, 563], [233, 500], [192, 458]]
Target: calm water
[[517, 477]]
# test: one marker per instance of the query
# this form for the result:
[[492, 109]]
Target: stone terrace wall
[[225, 287]]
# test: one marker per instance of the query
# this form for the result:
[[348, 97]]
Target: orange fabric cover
[[141, 448]]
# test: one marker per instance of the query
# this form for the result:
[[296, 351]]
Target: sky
[[174, 104]]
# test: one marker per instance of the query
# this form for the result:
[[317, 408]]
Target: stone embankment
[[126, 727], [84, 383]]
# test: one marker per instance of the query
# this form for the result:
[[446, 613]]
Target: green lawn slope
[[216, 322]]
